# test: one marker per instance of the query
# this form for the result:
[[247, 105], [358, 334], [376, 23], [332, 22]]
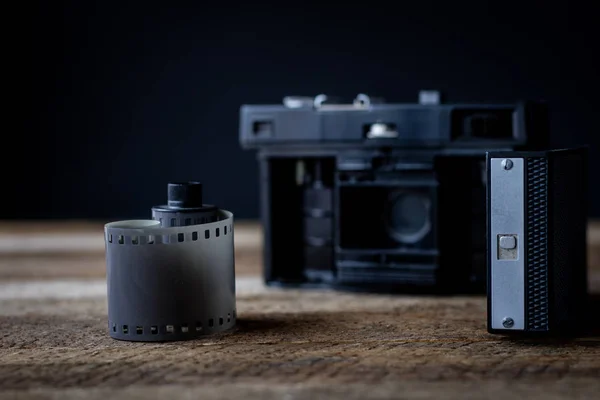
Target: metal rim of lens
[[413, 237]]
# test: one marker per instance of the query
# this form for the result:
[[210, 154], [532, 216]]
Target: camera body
[[537, 238], [380, 197]]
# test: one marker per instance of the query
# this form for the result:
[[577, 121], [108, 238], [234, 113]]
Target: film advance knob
[[184, 194]]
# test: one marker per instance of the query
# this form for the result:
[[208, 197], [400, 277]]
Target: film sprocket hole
[[373, 196]]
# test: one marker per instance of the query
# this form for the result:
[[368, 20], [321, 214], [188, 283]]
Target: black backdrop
[[127, 96]]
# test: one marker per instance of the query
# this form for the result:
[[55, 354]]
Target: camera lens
[[407, 216]]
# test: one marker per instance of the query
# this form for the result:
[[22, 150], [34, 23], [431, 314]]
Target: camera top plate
[[323, 121]]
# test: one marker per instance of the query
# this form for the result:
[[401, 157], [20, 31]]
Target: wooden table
[[288, 344]]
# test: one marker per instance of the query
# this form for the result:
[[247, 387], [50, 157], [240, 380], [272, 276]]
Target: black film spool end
[[185, 206], [184, 195]]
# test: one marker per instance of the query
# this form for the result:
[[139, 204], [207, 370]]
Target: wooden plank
[[288, 344]]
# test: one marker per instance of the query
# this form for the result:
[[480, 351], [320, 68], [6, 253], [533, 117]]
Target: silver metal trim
[[429, 97], [507, 201], [381, 131], [362, 102], [298, 101]]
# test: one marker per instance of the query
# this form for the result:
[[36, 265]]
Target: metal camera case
[[537, 238], [379, 197]]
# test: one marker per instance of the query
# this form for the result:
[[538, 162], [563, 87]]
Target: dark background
[[128, 96]]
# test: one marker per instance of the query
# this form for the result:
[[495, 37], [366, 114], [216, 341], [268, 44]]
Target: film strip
[[170, 282]]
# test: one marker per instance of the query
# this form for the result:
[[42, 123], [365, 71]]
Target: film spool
[[170, 283], [184, 206]]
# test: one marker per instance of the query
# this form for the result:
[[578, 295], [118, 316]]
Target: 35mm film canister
[[169, 283]]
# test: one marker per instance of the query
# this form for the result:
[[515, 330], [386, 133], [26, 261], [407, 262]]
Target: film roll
[[170, 283]]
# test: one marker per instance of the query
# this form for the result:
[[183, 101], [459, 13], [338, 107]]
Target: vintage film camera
[[537, 241], [380, 197]]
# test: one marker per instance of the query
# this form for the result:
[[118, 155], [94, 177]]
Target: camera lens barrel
[[408, 217]]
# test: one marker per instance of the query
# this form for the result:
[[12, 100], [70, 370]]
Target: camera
[[380, 197], [537, 239]]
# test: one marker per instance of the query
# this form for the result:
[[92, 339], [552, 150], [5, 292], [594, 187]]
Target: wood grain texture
[[50, 250], [288, 344]]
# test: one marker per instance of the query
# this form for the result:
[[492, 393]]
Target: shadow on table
[[247, 325], [589, 337]]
